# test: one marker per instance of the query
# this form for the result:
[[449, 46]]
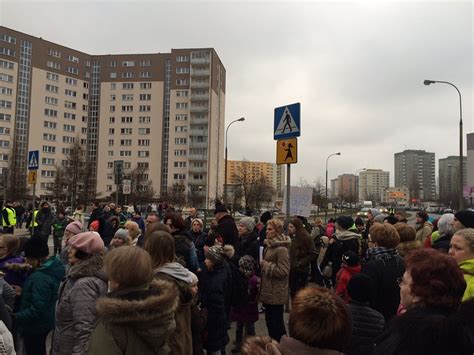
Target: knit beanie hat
[[88, 242], [350, 258], [215, 254], [247, 265], [380, 218], [121, 233], [36, 248], [466, 217], [94, 225], [375, 212], [345, 222], [220, 208], [74, 227], [360, 288], [359, 222], [265, 217], [199, 220], [248, 223]]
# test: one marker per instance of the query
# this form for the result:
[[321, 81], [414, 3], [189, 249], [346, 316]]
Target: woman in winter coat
[[78, 214], [275, 271], [408, 240], [302, 254], [35, 317], [134, 231], [431, 290], [137, 316], [197, 236], [462, 249], [215, 294], [160, 245], [85, 283], [385, 267], [248, 240], [10, 262], [446, 231]]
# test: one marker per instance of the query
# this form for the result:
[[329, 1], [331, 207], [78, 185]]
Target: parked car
[[363, 212]]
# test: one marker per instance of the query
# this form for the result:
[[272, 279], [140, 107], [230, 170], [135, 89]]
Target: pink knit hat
[[88, 242], [74, 227]]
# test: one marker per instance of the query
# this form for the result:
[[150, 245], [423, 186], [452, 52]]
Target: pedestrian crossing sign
[[33, 160], [287, 151], [287, 121]]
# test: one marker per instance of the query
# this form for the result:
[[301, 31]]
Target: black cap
[[345, 222], [36, 248]]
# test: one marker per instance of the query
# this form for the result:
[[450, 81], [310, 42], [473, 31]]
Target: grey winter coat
[[75, 310]]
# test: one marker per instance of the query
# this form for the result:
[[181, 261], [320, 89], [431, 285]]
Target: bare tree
[[76, 172], [176, 194], [57, 189], [141, 187], [254, 188], [319, 193]]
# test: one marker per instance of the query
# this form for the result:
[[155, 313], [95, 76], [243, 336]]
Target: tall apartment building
[[448, 171], [372, 183], [346, 187], [273, 173], [415, 169], [161, 112]]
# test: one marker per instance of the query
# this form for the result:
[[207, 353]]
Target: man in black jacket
[[226, 226]]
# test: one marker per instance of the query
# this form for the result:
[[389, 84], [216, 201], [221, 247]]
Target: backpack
[[239, 288]]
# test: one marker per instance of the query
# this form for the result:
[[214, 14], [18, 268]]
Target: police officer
[[8, 218]]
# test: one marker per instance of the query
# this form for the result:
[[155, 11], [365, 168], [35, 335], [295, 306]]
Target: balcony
[[199, 97], [197, 157], [199, 121], [198, 132], [198, 145], [199, 84], [196, 108], [200, 72], [197, 60], [194, 169], [199, 182]]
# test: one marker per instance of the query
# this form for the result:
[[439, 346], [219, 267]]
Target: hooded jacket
[[423, 231], [302, 253], [342, 280], [38, 298], [292, 346], [75, 310], [467, 267], [228, 230], [137, 320], [275, 273], [181, 337], [342, 241]]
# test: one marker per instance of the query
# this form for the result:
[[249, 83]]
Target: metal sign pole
[[33, 217], [288, 174]]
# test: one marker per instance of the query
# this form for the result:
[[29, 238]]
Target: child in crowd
[[350, 266], [247, 313]]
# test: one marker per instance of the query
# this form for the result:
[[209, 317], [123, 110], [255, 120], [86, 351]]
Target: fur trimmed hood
[[148, 312], [280, 241], [88, 267]]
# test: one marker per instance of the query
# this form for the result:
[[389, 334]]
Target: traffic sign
[[287, 121], [32, 177], [287, 151], [33, 160]]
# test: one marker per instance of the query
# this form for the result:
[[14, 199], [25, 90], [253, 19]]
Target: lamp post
[[241, 119], [461, 168], [357, 183], [327, 159]]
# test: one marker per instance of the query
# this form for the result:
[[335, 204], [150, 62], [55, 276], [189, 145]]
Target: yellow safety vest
[[33, 221], [11, 217]]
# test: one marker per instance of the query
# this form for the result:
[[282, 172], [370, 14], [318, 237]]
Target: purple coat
[[14, 276], [249, 311]]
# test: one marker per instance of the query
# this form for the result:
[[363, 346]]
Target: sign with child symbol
[[287, 151]]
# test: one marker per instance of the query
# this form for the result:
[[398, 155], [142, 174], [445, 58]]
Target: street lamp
[[357, 183], [327, 159], [461, 168], [241, 119]]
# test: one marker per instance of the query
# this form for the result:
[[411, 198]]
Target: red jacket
[[342, 279]]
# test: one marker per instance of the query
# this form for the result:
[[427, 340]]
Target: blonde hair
[[468, 236], [11, 243], [133, 229], [276, 224]]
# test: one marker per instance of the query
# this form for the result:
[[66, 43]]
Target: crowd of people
[[121, 283]]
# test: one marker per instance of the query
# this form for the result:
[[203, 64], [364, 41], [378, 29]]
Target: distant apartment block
[[415, 169], [372, 183], [273, 173], [162, 112], [448, 171], [345, 187]]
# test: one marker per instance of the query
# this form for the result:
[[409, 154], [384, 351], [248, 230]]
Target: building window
[[49, 112], [70, 104], [73, 70], [73, 59], [111, 108], [182, 70], [126, 131], [145, 97], [72, 93], [145, 108], [48, 173], [49, 137], [6, 77], [127, 86], [125, 153], [179, 141], [112, 97], [127, 97], [7, 51], [47, 161], [111, 142], [126, 142], [54, 65], [69, 140], [4, 130], [180, 152], [111, 119], [145, 85], [49, 149], [182, 93], [52, 88], [49, 124], [182, 58], [127, 119], [6, 91], [51, 100], [83, 131], [85, 108], [128, 63], [52, 76], [111, 130], [5, 117], [69, 128], [84, 119], [181, 129], [7, 38], [127, 75], [181, 105], [110, 153], [179, 164], [69, 115], [113, 64], [143, 142], [113, 75], [144, 119], [145, 74], [145, 63], [179, 176], [181, 82], [142, 131], [113, 86], [71, 81], [127, 108], [6, 64], [143, 153], [54, 53]]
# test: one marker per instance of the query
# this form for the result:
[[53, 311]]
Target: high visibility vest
[[11, 217], [33, 221]]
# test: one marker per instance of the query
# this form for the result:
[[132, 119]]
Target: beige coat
[[275, 273]]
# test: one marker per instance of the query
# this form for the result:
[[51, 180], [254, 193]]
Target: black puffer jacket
[[248, 246], [367, 325], [442, 243], [183, 247], [228, 230]]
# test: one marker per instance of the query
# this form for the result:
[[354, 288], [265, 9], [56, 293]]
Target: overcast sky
[[357, 68]]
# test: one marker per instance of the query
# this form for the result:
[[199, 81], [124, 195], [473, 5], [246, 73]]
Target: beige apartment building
[[372, 183], [273, 173], [162, 112]]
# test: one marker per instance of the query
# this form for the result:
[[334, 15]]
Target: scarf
[[381, 253]]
